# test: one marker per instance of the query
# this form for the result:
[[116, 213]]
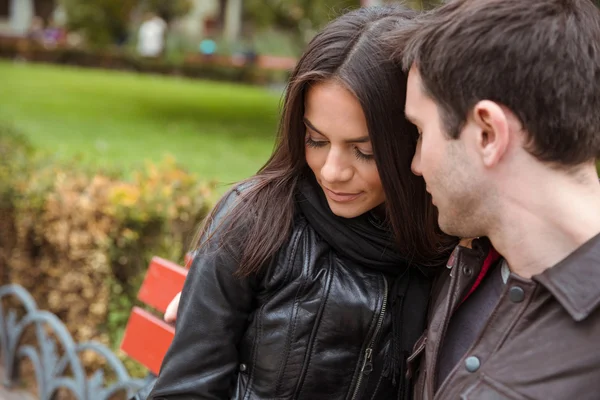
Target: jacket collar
[[575, 281]]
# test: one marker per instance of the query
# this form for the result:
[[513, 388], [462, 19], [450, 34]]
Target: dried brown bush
[[80, 242]]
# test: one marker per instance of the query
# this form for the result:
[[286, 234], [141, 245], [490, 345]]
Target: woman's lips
[[341, 197]]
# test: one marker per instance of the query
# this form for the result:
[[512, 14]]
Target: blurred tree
[[305, 17], [107, 22], [102, 22], [301, 17], [168, 9]]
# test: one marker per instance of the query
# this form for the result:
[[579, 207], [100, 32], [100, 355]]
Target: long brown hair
[[349, 50]]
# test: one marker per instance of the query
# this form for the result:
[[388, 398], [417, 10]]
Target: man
[[506, 97]]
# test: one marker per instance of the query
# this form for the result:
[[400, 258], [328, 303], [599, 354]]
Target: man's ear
[[493, 134]]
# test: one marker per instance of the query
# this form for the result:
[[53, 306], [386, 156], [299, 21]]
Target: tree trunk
[[233, 20], [21, 15]]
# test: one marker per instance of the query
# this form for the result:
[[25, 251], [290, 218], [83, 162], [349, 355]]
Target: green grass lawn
[[118, 120]]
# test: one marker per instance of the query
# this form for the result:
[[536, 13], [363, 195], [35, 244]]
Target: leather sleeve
[[212, 317], [144, 392]]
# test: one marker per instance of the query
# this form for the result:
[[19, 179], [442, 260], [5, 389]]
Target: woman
[[311, 278]]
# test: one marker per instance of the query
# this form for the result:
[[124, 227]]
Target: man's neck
[[543, 223]]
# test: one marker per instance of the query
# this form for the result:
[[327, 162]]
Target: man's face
[[444, 163]]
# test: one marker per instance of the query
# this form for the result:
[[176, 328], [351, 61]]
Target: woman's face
[[339, 150]]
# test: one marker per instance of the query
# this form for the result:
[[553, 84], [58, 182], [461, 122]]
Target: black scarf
[[367, 241]]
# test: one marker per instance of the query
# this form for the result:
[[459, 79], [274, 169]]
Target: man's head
[[502, 91]]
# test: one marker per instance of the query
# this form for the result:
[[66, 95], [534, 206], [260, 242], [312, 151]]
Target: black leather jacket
[[309, 327]]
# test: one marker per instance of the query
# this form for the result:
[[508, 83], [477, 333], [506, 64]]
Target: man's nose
[[415, 165]]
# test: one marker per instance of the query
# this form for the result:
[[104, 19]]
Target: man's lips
[[430, 195]]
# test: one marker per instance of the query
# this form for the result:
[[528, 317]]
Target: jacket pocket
[[488, 389]]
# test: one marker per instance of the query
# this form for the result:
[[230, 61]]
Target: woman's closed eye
[[363, 156], [310, 142]]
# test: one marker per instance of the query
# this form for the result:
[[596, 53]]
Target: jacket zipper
[[367, 365], [311, 340]]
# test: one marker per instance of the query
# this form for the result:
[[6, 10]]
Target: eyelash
[[318, 144]]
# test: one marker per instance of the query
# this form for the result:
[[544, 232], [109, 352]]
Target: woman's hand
[[171, 313]]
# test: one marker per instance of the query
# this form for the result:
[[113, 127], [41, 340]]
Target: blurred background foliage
[[106, 22], [79, 239]]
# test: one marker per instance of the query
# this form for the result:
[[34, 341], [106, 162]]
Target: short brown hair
[[539, 58]]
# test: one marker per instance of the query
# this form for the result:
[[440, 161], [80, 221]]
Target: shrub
[[192, 66], [80, 242]]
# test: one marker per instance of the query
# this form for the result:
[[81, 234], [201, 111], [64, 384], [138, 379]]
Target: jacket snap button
[[468, 271], [516, 294], [243, 367], [472, 364]]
